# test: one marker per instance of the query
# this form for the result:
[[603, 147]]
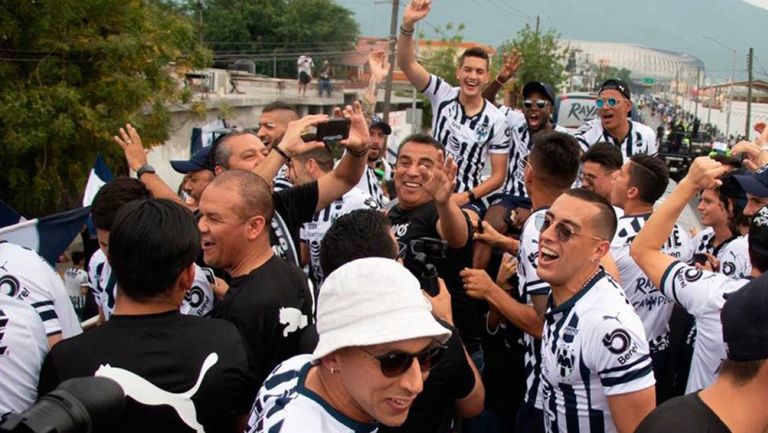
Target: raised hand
[[477, 283], [507, 269], [130, 141], [510, 64], [416, 11], [359, 138], [704, 173], [292, 144], [441, 180], [488, 235], [377, 61]]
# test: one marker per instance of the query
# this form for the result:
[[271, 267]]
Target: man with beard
[[273, 122]]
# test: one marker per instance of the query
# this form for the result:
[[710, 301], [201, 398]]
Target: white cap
[[372, 301]]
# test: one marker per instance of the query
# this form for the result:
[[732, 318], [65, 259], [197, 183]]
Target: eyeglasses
[[563, 232], [612, 102], [394, 364], [539, 103]]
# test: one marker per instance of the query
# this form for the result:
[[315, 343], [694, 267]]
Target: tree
[[543, 59], [71, 73], [441, 58], [605, 72]]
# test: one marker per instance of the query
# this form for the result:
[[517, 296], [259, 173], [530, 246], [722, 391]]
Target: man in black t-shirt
[[268, 298], [424, 180], [736, 401], [179, 373]]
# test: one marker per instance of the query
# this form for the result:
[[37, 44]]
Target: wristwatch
[[146, 168]]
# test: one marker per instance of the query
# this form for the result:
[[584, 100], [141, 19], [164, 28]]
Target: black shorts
[[304, 78]]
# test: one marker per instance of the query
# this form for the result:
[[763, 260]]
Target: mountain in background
[[677, 25]]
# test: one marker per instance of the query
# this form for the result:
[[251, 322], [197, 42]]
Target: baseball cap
[[616, 84], [756, 183], [758, 232], [198, 161], [537, 86], [745, 321], [372, 301], [378, 122]]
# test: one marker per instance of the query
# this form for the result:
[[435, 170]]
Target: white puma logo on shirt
[[146, 393], [293, 319]]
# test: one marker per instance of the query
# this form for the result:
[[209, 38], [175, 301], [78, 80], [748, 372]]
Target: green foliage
[[606, 72], [276, 32], [73, 72], [543, 58], [441, 59]]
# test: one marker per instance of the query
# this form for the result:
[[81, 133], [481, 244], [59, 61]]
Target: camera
[[422, 251]]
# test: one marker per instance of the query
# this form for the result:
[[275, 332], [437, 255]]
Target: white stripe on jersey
[[733, 254], [24, 275], [521, 145], [469, 140], [285, 405], [641, 138], [314, 231], [529, 285], [23, 346], [653, 307], [593, 346], [369, 184], [702, 294], [281, 182]]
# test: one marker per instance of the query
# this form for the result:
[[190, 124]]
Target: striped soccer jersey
[[593, 347], [733, 254], [703, 295], [285, 405], [522, 143], [641, 138], [469, 140], [653, 307], [369, 184]]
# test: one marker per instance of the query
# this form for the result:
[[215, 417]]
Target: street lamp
[[730, 91]]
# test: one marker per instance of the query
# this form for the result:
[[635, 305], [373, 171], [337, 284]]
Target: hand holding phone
[[333, 130]]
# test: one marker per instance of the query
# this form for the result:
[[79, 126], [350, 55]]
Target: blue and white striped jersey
[[653, 307], [285, 405], [530, 285], [593, 347], [733, 253], [469, 140], [702, 294], [369, 184], [281, 182], [26, 276], [522, 143], [641, 138]]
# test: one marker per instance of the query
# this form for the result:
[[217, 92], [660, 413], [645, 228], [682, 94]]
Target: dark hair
[[605, 154], [475, 52], [321, 155], [221, 151], [113, 196], [758, 260], [280, 105], [421, 138], [78, 257], [358, 234], [605, 222], [555, 159], [152, 242], [255, 194], [650, 175], [740, 372]]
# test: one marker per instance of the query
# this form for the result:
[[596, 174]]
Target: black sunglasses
[[394, 364], [563, 232], [539, 103]]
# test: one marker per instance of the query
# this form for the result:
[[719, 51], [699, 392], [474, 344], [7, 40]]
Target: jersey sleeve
[[691, 288], [584, 134], [438, 90], [200, 298], [618, 352], [501, 138], [651, 144]]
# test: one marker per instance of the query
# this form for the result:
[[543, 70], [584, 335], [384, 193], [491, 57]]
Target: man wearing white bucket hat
[[377, 341]]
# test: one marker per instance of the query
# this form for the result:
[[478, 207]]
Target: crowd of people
[[293, 292]]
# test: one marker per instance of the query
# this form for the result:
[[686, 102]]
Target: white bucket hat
[[372, 301]]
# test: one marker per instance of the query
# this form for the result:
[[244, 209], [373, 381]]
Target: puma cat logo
[[293, 319], [616, 317], [148, 394]]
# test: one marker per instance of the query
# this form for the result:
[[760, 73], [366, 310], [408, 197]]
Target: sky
[[686, 26]]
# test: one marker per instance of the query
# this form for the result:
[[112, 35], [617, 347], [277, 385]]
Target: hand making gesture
[[440, 181]]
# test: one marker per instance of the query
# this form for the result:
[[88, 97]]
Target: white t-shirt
[[653, 307], [74, 279], [530, 285], [305, 64], [23, 346], [702, 294], [24, 275], [470, 140], [199, 300], [522, 143], [593, 346], [640, 139], [314, 231], [369, 184], [285, 405]]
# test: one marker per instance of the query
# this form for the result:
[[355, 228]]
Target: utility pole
[[200, 20], [538, 19], [392, 44], [698, 92], [749, 92]]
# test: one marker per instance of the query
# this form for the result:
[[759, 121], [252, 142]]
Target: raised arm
[[510, 64], [379, 66], [452, 224], [417, 75], [646, 248], [289, 146]]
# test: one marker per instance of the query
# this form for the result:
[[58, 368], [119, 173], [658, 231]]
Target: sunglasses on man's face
[[563, 231], [611, 102], [538, 103], [394, 364]]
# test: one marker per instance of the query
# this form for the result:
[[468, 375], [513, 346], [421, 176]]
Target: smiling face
[[196, 181], [408, 179], [367, 394], [472, 76], [246, 152], [613, 117], [537, 118], [594, 177], [272, 126], [712, 210]]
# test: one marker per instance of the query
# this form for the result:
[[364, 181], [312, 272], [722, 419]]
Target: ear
[[255, 226], [602, 249], [633, 193], [218, 170], [184, 283], [332, 362]]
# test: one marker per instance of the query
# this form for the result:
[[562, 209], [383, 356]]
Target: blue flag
[[50, 235]]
